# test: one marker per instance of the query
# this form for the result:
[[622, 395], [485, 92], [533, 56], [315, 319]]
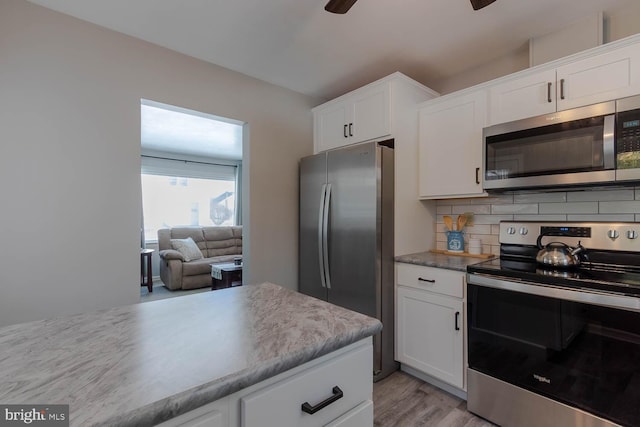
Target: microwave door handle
[[608, 141]]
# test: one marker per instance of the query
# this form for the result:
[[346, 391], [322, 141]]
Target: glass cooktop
[[614, 278]]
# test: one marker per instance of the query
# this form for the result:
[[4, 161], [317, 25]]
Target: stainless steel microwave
[[596, 144]]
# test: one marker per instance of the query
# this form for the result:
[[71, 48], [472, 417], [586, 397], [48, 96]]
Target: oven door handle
[[584, 296]]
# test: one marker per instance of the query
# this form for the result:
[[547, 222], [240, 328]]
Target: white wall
[[70, 160], [618, 23]]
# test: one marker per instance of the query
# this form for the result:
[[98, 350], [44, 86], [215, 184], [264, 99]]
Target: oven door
[[577, 348], [573, 147]]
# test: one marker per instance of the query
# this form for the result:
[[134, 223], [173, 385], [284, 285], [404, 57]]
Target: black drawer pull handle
[[344, 132], [350, 129], [426, 280], [477, 175], [337, 394], [549, 92], [457, 315]]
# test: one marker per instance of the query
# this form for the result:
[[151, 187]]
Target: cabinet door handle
[[477, 175], [426, 280], [350, 129], [344, 132], [337, 394], [457, 316], [549, 92], [561, 88]]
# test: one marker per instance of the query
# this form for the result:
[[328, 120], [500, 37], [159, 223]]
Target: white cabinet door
[[360, 416], [528, 96], [331, 126], [600, 78], [450, 147], [430, 334], [371, 114]]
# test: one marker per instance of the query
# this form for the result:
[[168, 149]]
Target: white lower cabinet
[[337, 388], [430, 322], [214, 414]]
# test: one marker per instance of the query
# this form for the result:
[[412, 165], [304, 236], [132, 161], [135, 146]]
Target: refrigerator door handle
[[323, 195], [325, 239]]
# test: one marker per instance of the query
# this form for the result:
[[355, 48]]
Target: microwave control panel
[[628, 140]]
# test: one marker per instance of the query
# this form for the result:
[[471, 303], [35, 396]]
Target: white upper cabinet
[[374, 111], [613, 72], [528, 96], [332, 126], [450, 146], [361, 116], [601, 78], [371, 114]]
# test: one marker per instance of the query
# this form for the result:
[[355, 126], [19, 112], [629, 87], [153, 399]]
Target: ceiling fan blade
[[479, 4], [339, 6]]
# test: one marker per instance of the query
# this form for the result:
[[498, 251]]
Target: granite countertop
[[430, 259], [145, 363]]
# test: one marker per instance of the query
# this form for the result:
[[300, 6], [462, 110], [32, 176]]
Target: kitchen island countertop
[[430, 259], [145, 363]]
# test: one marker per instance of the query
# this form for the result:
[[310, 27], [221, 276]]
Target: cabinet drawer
[[439, 280], [214, 414], [281, 403], [360, 416]]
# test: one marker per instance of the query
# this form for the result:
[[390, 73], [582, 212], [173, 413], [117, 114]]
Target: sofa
[[183, 266]]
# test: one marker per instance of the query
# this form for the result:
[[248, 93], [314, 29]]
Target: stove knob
[[523, 231], [632, 234], [511, 230], [613, 234]]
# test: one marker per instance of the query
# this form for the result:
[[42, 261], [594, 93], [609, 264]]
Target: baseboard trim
[[434, 381]]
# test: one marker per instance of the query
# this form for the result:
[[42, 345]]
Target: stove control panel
[[566, 231], [616, 236]]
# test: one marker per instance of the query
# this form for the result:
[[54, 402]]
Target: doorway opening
[[191, 176]]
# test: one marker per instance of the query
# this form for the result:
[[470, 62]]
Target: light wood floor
[[402, 400]]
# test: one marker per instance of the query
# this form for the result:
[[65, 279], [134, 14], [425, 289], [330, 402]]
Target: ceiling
[[297, 45]]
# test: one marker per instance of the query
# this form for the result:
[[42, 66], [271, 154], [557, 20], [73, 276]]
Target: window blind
[[187, 169]]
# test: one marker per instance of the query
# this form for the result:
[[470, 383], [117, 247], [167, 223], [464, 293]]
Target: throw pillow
[[188, 248]]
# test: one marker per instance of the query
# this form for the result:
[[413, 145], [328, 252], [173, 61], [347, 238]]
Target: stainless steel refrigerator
[[346, 236]]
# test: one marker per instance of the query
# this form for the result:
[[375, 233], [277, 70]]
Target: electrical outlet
[[469, 216]]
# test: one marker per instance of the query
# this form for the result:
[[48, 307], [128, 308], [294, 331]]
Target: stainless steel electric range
[[557, 344]]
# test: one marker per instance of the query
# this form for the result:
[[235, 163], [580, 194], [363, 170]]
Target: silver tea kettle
[[558, 254]]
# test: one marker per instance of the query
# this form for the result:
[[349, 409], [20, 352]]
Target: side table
[[145, 258]]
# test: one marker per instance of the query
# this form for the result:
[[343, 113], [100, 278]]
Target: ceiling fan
[[342, 6]]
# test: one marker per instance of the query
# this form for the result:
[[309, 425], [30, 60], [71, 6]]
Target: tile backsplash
[[601, 204]]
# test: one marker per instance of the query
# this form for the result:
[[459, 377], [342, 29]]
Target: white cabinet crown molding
[[396, 76]]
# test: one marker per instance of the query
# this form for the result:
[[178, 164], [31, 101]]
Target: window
[[170, 201], [191, 168]]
